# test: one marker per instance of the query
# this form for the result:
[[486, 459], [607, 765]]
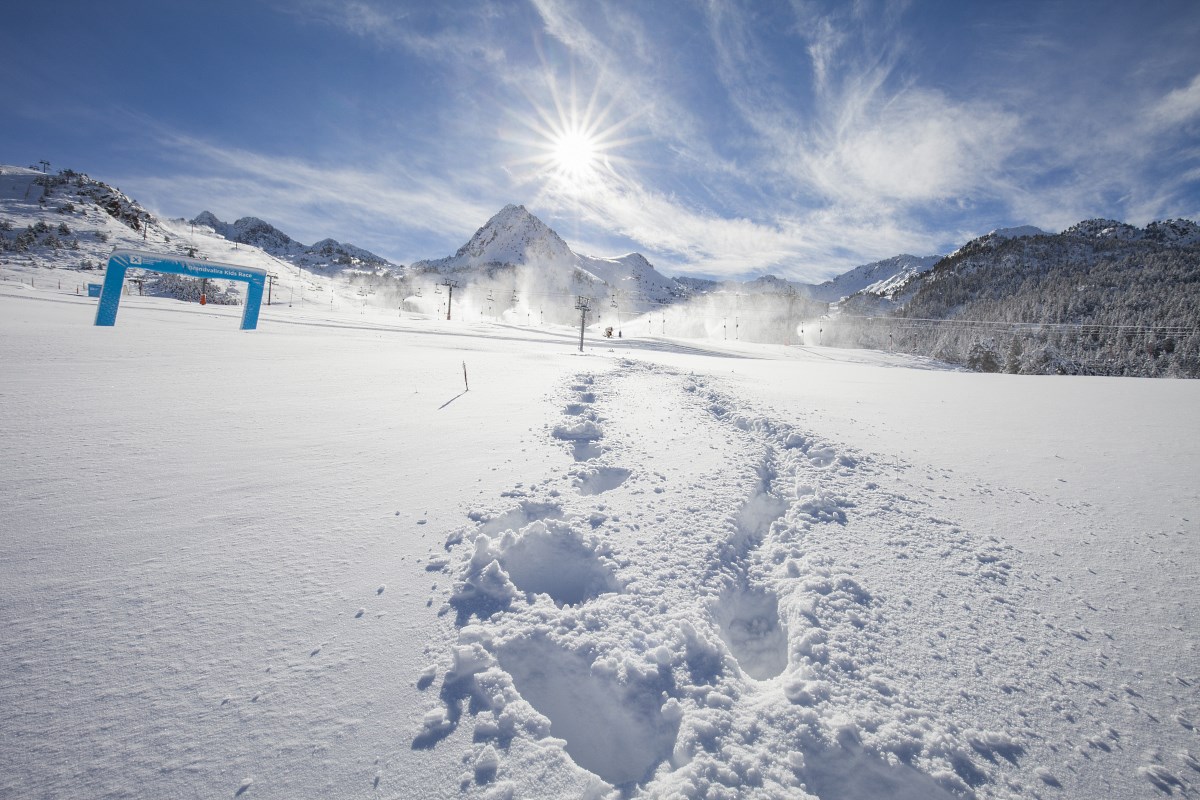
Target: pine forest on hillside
[[1051, 305]]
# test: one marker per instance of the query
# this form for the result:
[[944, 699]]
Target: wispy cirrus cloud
[[868, 138], [1178, 106], [835, 161], [445, 31], [805, 194]]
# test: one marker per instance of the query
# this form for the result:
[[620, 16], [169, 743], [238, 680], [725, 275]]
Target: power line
[[917, 322]]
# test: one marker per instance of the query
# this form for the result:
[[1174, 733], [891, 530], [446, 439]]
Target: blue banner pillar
[[254, 293], [110, 292]]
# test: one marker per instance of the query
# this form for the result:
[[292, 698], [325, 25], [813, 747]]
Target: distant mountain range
[[326, 255], [1135, 290], [515, 239], [512, 240], [1170, 234]]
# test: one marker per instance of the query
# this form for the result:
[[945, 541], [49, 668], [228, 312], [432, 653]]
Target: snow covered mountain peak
[[884, 277], [208, 219], [514, 236], [1104, 229], [1017, 232], [991, 240], [515, 239]]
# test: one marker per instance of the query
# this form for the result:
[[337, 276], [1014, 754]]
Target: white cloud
[[917, 146], [451, 40], [803, 245], [1178, 106]]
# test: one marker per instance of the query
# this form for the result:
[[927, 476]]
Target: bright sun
[[572, 142], [575, 154]]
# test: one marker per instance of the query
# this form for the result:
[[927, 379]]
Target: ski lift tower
[[582, 305], [450, 286]]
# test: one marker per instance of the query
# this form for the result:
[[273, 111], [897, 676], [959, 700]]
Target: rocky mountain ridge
[[327, 255]]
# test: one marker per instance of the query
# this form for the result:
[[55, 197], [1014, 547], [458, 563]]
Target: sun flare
[[571, 142], [575, 154]]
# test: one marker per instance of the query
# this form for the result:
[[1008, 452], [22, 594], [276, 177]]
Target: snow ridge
[[1172, 232], [885, 277], [326, 255]]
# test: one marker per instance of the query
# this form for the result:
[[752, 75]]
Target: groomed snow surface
[[303, 562]]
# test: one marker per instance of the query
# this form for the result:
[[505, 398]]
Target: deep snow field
[[303, 562]]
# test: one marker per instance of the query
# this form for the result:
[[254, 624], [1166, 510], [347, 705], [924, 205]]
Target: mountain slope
[[57, 229], [881, 277], [67, 220], [1102, 297]]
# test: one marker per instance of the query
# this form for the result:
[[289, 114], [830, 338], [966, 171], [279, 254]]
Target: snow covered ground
[[304, 562]]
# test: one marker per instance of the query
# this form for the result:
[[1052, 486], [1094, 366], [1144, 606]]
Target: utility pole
[[583, 305], [449, 284], [271, 278]]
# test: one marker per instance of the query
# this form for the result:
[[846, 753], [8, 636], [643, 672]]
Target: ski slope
[[305, 561]]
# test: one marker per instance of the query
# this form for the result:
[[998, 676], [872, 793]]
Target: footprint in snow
[[620, 731], [750, 625], [547, 557], [597, 480]]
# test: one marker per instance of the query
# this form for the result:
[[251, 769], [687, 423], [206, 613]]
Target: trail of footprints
[[613, 727], [784, 611]]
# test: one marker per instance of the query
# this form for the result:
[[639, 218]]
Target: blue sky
[[718, 138]]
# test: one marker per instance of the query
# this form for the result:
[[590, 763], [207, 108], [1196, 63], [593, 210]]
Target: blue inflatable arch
[[122, 260]]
